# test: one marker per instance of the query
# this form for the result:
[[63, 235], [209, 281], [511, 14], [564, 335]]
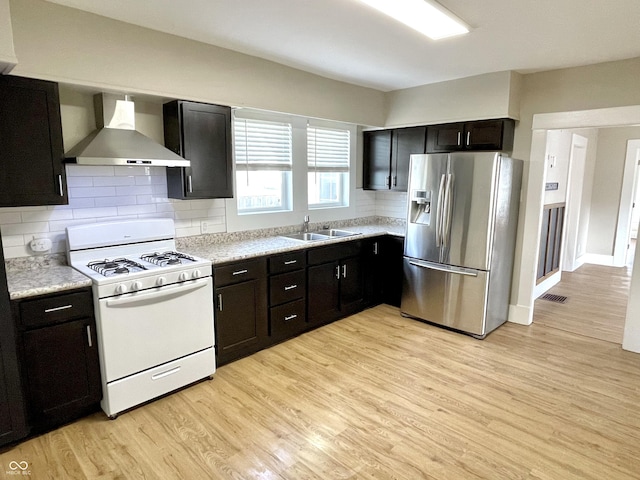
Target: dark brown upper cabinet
[[31, 149], [386, 157], [201, 133], [478, 135]]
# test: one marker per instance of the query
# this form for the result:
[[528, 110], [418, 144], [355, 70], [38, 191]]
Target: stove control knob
[[136, 286], [161, 281], [183, 277], [197, 274], [122, 288]]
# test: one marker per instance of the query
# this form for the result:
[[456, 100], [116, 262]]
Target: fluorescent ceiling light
[[428, 18]]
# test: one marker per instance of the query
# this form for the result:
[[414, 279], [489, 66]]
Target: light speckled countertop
[[33, 276], [38, 281], [255, 247]]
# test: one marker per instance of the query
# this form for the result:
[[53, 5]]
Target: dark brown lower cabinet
[[240, 309], [550, 240], [62, 371], [383, 270], [59, 357], [335, 283], [287, 295]]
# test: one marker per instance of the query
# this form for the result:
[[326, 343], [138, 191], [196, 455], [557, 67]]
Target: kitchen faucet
[[305, 224]]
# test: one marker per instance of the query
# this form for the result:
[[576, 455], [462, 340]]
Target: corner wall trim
[[520, 314]]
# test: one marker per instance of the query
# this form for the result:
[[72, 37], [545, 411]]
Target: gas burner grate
[[117, 266], [167, 258], [554, 298]]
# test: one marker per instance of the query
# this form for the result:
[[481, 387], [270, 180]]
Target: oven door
[[140, 330]]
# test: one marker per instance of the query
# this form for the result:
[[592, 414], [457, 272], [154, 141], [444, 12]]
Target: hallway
[[596, 302]]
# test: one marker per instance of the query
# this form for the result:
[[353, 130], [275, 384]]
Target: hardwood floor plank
[[377, 396]]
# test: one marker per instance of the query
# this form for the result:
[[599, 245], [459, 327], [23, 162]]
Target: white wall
[[493, 95], [7, 53], [605, 202], [70, 46]]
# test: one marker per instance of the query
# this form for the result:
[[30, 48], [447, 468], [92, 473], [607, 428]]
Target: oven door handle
[[158, 294]]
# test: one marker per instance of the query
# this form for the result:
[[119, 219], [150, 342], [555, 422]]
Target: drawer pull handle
[[165, 374], [240, 272], [290, 262], [290, 317], [290, 287], [89, 336], [57, 309]]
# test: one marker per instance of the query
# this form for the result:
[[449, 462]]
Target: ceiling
[[347, 40]]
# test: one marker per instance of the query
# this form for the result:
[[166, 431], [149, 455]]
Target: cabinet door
[[392, 268], [205, 140], [351, 286], [238, 320], [489, 135], [323, 297], [372, 253], [377, 160], [31, 151], [445, 138], [406, 141], [62, 370]]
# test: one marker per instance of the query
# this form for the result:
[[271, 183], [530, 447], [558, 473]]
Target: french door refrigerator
[[460, 239]]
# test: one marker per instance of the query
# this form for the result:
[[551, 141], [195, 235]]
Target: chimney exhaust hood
[[116, 142]]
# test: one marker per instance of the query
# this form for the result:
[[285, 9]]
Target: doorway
[[542, 123]]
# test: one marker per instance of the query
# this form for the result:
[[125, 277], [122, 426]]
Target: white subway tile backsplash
[[136, 209], [113, 181], [46, 216], [134, 190], [115, 201], [25, 228], [79, 182], [104, 194], [10, 217], [84, 192], [95, 212], [12, 240], [88, 171], [87, 202], [59, 226]]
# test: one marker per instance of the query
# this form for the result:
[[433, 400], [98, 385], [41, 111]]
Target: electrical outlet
[[204, 226], [40, 245]]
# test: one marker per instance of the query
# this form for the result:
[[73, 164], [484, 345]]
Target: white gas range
[[153, 306]]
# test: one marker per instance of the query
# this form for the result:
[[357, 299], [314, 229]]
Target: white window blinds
[[261, 145], [327, 150]]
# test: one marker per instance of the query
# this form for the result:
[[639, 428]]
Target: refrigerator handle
[[439, 212], [444, 268], [448, 206]]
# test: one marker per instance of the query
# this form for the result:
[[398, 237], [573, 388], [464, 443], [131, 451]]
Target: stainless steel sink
[[307, 237], [333, 232]]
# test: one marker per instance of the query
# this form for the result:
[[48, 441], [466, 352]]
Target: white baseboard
[[520, 314]]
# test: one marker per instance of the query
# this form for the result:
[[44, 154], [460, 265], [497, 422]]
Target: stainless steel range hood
[[116, 142]]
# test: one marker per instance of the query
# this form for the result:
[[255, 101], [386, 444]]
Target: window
[[263, 165], [328, 167]]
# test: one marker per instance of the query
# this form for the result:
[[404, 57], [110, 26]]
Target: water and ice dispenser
[[420, 207]]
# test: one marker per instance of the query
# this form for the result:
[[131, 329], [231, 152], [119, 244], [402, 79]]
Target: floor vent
[[554, 298]]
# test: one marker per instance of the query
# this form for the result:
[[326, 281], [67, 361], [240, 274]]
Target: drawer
[[287, 287], [287, 262], [239, 272], [56, 309], [319, 255], [288, 320]]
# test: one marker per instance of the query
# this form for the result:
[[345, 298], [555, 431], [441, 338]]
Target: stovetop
[[129, 256]]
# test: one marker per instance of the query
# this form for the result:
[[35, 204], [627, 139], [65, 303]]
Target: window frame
[[274, 219]]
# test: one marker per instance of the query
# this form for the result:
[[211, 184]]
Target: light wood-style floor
[[596, 306], [377, 396]]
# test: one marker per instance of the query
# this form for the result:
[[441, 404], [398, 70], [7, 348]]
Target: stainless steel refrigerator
[[460, 239]]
